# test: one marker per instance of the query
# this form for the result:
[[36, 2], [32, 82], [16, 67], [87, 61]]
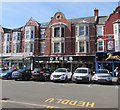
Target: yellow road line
[[39, 105]]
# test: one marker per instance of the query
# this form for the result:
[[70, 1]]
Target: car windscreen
[[9, 71], [60, 70], [21, 70], [102, 72], [37, 69], [81, 71]]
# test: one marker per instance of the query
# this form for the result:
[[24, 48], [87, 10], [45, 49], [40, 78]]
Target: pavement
[[32, 94]]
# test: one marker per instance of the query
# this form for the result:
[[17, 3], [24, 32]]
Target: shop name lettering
[[61, 58], [70, 102]]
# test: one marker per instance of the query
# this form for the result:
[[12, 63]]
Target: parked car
[[102, 76], [2, 72], [8, 73], [41, 74], [82, 75], [61, 74], [21, 74]]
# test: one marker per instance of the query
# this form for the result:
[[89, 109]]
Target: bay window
[[59, 32], [59, 47], [29, 32]]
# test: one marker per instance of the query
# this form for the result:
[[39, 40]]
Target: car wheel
[[66, 79]]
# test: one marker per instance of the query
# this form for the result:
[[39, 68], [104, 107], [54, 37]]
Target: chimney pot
[[96, 12]]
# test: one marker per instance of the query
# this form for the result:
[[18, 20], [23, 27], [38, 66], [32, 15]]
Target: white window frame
[[16, 35], [100, 40], [60, 31], [29, 29], [60, 47], [42, 33], [42, 48], [6, 39], [101, 31]]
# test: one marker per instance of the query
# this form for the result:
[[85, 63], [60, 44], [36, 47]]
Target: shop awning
[[14, 58]]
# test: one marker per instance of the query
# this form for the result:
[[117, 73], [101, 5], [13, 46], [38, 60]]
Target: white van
[[82, 75]]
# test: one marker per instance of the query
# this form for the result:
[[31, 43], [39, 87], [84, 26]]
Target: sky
[[16, 14]]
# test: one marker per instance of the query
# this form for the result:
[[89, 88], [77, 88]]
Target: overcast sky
[[16, 14]]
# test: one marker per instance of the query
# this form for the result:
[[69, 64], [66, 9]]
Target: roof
[[102, 19], [6, 30], [83, 19], [117, 21]]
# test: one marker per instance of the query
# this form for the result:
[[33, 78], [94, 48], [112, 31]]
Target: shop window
[[81, 46]]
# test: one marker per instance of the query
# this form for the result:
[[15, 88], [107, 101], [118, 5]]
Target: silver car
[[102, 76]]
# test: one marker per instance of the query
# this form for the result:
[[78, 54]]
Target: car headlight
[[63, 75], [95, 77]]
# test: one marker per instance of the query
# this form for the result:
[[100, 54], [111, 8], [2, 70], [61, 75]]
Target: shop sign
[[61, 58]]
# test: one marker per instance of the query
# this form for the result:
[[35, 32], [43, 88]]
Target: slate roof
[[83, 19], [6, 30], [102, 19]]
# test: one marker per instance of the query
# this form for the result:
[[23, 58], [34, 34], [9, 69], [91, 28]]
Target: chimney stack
[[96, 12]]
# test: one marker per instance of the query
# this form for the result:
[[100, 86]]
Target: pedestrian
[[116, 71]]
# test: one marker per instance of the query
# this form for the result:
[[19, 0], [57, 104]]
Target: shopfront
[[53, 62], [107, 60]]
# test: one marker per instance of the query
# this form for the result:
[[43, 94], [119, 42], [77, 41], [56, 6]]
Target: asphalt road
[[30, 94]]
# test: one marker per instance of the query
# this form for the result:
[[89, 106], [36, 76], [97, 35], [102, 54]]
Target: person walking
[[116, 71]]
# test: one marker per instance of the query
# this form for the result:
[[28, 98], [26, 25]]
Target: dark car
[[21, 74], [8, 73], [41, 74]]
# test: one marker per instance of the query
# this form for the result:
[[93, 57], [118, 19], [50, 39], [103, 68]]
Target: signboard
[[110, 45], [108, 56]]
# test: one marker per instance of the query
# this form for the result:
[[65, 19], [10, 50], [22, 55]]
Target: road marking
[[51, 107], [39, 105], [89, 85], [116, 86], [70, 102], [4, 101]]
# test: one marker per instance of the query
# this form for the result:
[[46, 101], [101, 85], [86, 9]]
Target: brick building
[[60, 42], [108, 41]]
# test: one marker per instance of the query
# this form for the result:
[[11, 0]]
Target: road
[[31, 94]]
